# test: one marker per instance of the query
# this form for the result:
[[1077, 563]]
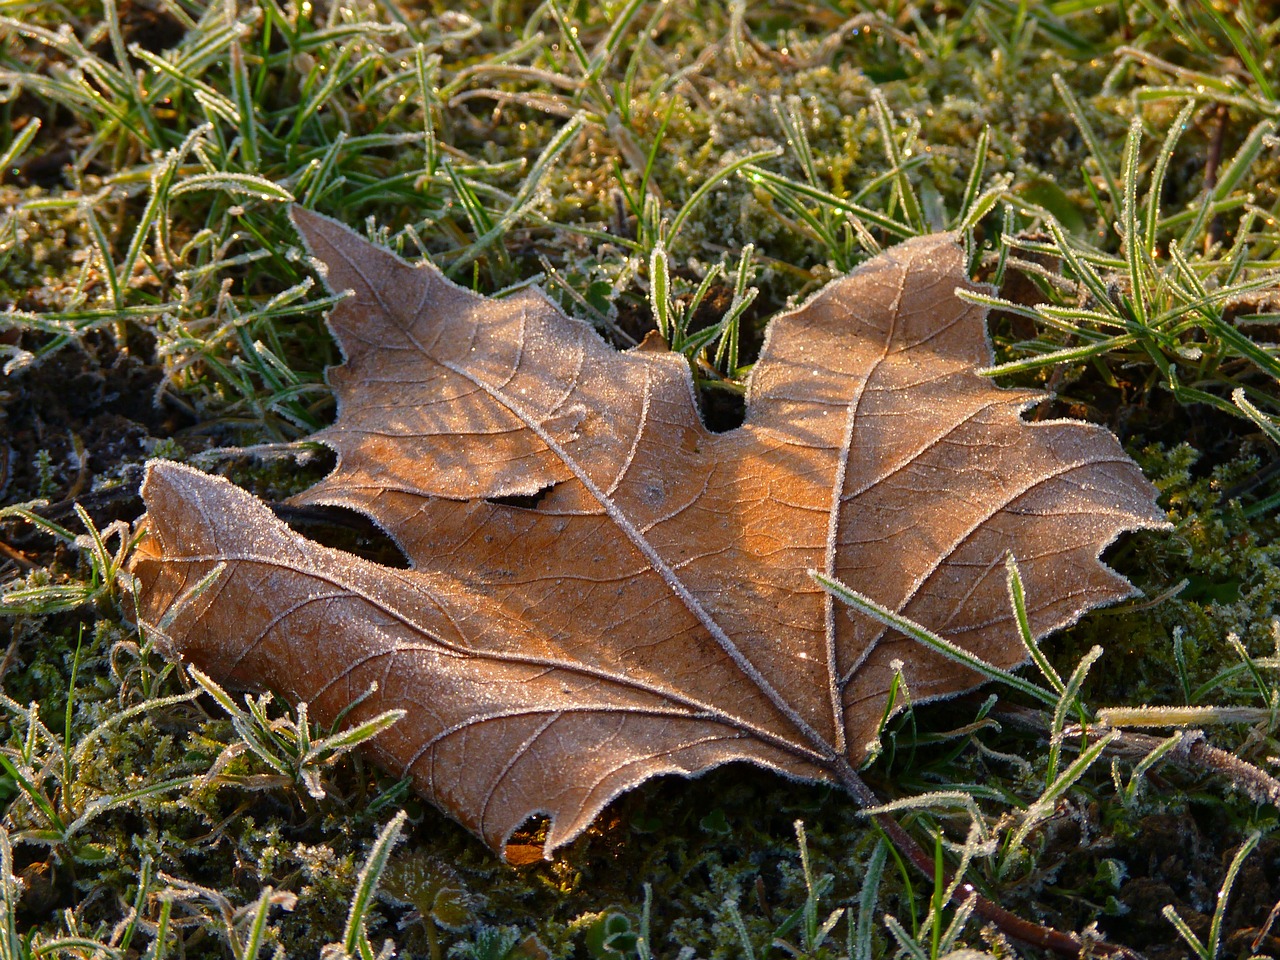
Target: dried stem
[[17, 556], [1214, 233], [1193, 753]]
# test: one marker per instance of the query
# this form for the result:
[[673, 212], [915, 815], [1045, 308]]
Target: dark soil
[[76, 428]]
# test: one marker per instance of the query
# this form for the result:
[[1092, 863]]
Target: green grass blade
[[19, 145], [1096, 149], [241, 184], [367, 884], [527, 193], [1186, 933], [777, 183], [603, 55], [973, 185], [660, 292], [1047, 801], [929, 639], [1018, 600], [1152, 220], [1133, 248], [906, 192], [347, 739], [723, 173]]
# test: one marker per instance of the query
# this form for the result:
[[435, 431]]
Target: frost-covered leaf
[[645, 606]]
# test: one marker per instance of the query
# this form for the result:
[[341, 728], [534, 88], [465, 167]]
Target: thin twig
[[1215, 148], [1194, 753], [17, 556], [1214, 233]]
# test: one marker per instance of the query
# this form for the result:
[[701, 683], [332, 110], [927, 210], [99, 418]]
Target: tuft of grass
[[1171, 297]]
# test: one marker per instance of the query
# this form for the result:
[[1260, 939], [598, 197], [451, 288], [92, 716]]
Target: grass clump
[[690, 167]]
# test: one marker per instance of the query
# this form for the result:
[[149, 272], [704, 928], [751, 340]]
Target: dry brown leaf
[[653, 612]]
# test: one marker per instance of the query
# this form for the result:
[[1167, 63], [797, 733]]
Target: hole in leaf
[[524, 849], [344, 529], [722, 410], [525, 501]]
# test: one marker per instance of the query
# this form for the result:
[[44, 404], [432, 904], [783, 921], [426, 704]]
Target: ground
[[1113, 170]]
